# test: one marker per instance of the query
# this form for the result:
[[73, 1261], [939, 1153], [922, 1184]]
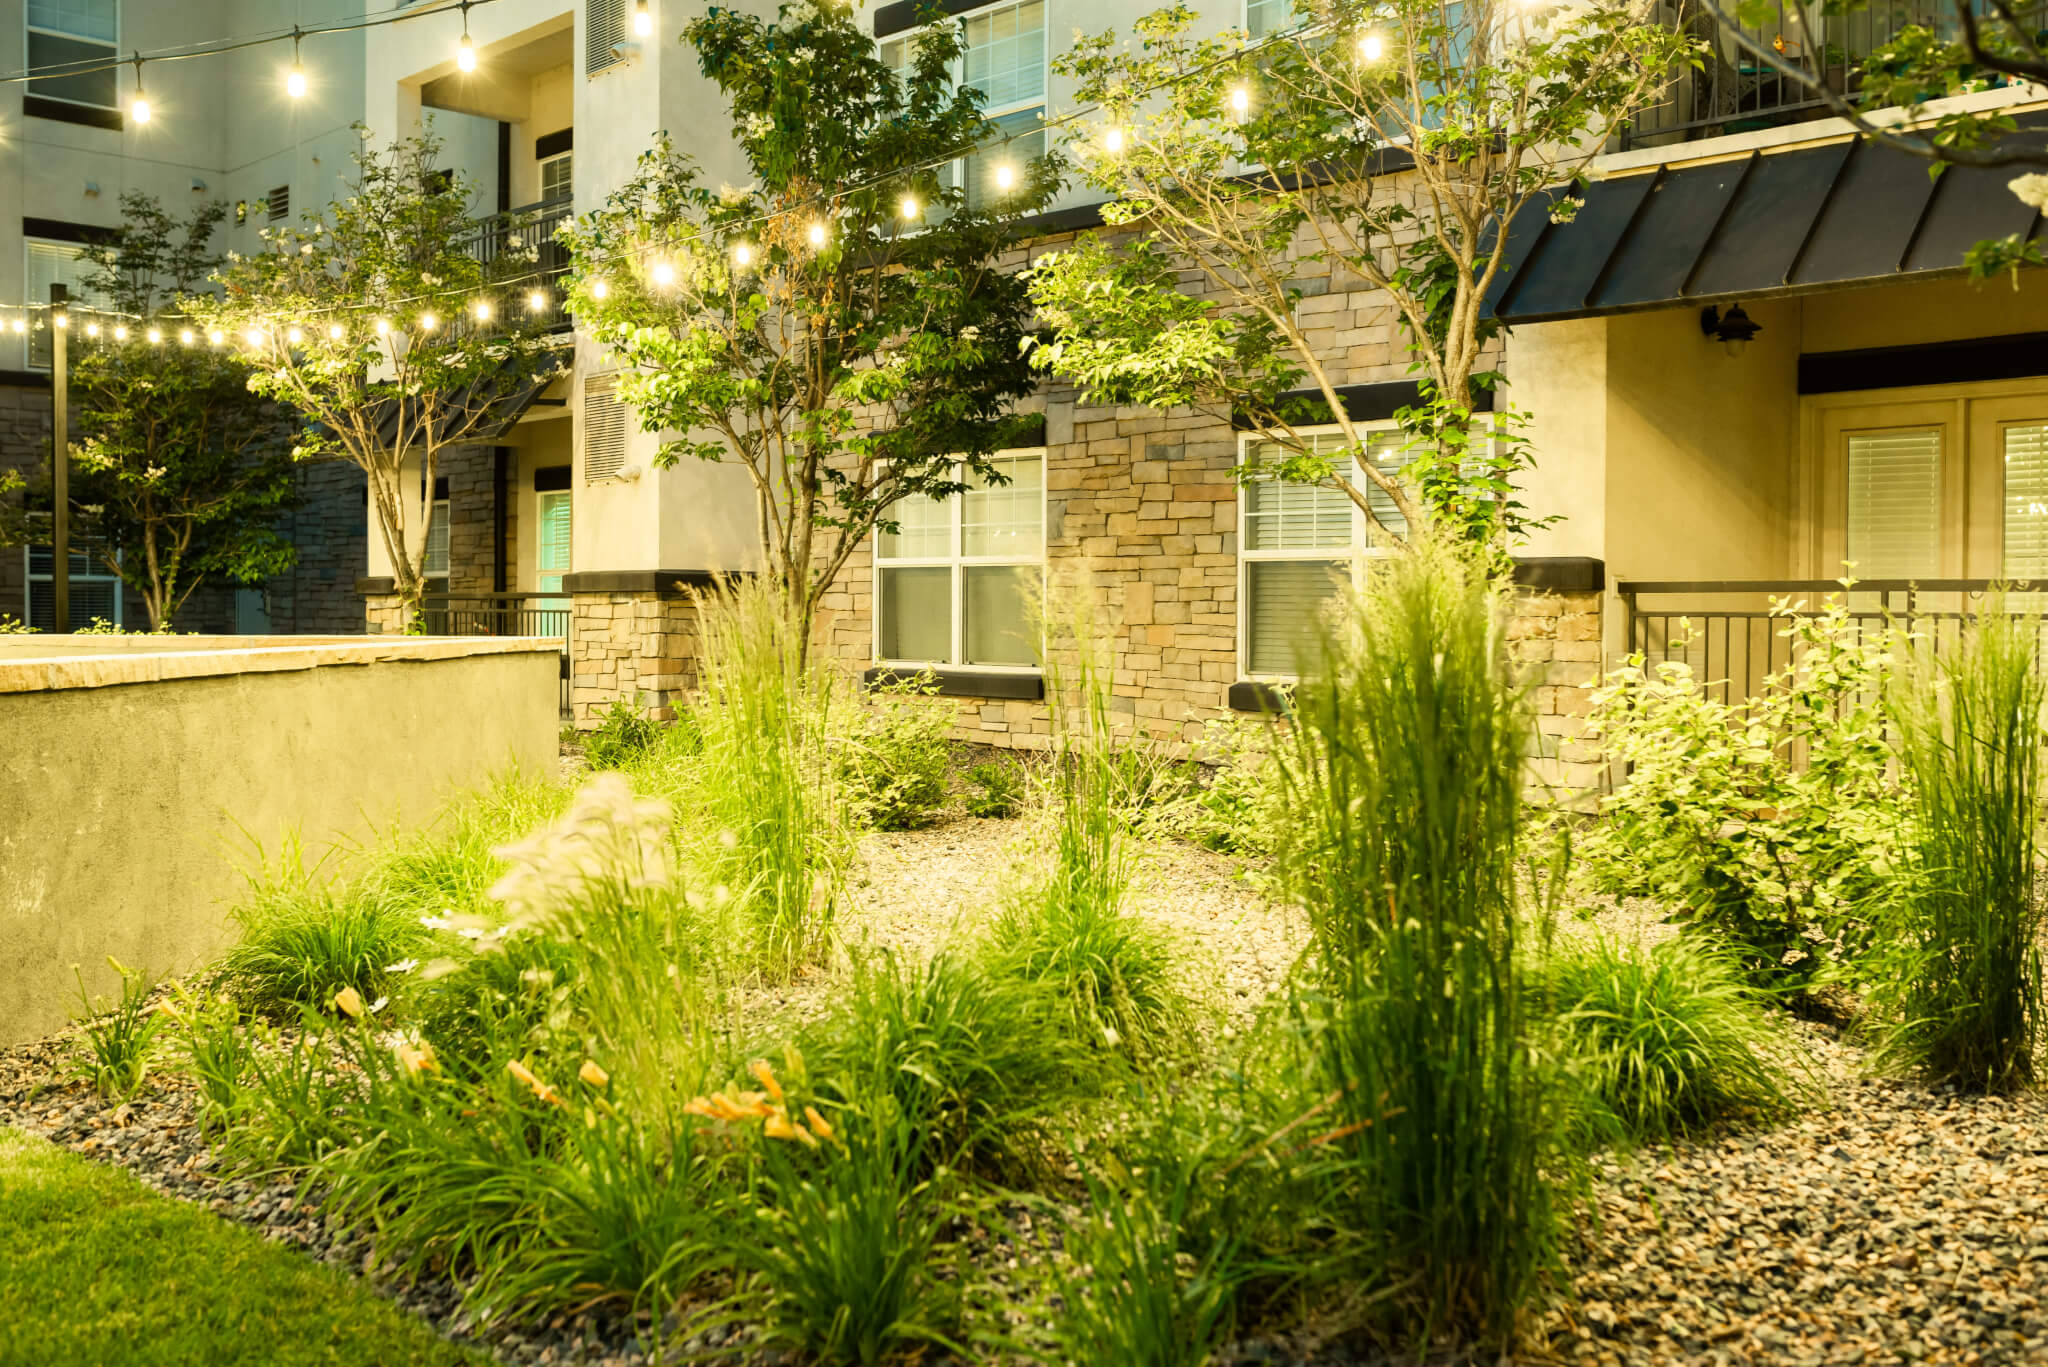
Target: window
[[553, 559], [2026, 499], [1005, 59], [435, 565], [73, 34], [55, 263], [1894, 496], [1262, 17], [555, 177], [95, 589], [1299, 545], [954, 584], [604, 34], [604, 429]]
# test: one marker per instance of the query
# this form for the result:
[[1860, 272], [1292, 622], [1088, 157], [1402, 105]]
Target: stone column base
[[1557, 637], [384, 614], [632, 644]]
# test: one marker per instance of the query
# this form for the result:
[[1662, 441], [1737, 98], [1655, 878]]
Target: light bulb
[[255, 336], [742, 255], [155, 336], [482, 310], [186, 336], [216, 337], [428, 322], [295, 83], [1006, 176], [92, 329], [21, 325], [294, 336], [1240, 98], [138, 109], [537, 301], [643, 19], [120, 334], [334, 332], [465, 54], [383, 327], [1113, 139], [60, 321], [909, 206], [598, 289], [817, 234], [1370, 47], [664, 274]]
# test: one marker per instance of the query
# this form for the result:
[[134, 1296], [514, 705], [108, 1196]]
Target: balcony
[[522, 233], [1734, 91]]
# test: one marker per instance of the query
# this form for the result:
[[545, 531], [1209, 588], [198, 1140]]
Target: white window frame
[[94, 572], [114, 52], [956, 170], [541, 173], [959, 564], [440, 517], [80, 298], [540, 529], [1357, 553]]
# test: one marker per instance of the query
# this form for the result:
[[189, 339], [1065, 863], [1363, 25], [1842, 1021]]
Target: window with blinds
[[1298, 546], [95, 590], [1894, 503], [2026, 500], [75, 40], [604, 34], [604, 430], [435, 565], [56, 263], [552, 561]]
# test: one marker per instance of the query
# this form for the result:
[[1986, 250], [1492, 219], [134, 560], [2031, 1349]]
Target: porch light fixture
[[1732, 329], [643, 18]]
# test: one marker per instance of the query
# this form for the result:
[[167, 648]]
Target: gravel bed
[[1888, 1223]]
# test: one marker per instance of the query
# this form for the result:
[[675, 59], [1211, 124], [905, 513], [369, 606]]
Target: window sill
[[956, 682], [1261, 695]]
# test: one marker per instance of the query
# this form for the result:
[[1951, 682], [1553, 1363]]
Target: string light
[[92, 329], [643, 18], [909, 206], [1006, 176], [21, 325], [428, 322], [293, 336], [537, 302], [1113, 138], [154, 336], [255, 336], [817, 234], [334, 332], [664, 275], [482, 309], [599, 289], [216, 336], [295, 79], [185, 336], [742, 255], [59, 319], [138, 108], [383, 327], [1240, 98], [465, 51], [121, 334], [1370, 47]]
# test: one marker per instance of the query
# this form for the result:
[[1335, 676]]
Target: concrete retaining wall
[[134, 772]]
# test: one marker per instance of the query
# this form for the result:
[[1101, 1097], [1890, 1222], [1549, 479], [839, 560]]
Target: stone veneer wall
[[631, 642], [1559, 635]]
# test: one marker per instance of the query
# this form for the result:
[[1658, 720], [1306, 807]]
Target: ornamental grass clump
[[117, 1037], [1403, 779], [1066, 926], [306, 935], [1962, 965], [1672, 1038], [765, 789]]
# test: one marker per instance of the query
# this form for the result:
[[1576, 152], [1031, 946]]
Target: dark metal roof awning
[[505, 393], [1841, 213]]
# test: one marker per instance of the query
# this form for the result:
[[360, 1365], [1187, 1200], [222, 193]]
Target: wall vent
[[278, 202], [604, 34], [604, 430]]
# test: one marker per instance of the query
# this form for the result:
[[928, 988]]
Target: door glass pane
[[2026, 500], [1005, 519], [1895, 503], [999, 629], [1284, 599], [924, 530], [917, 617]]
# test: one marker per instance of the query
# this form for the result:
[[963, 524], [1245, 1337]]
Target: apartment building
[[221, 127], [1753, 355]]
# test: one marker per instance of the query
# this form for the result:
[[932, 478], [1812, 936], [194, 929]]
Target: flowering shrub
[[1770, 823]]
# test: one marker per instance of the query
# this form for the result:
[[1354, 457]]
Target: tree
[[1976, 45], [381, 324], [181, 469], [1393, 142], [841, 327]]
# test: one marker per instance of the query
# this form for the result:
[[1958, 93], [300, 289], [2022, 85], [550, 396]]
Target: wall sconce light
[[92, 189], [1732, 329]]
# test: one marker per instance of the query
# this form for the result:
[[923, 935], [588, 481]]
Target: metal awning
[[1815, 217], [505, 392]]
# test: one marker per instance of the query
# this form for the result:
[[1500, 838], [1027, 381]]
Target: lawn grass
[[96, 1268]]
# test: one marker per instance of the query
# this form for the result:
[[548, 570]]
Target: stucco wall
[[126, 805]]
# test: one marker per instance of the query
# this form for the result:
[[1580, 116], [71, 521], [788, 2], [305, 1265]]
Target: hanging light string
[[540, 294]]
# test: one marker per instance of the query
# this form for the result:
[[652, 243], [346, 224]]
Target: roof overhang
[[1817, 217]]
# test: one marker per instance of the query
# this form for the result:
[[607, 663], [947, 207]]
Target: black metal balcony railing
[[526, 234], [502, 614], [1735, 90], [1725, 629]]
